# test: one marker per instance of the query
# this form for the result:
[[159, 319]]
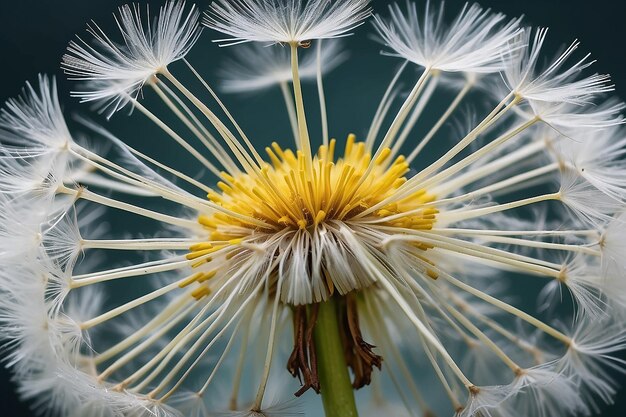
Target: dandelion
[[329, 268], [116, 72]]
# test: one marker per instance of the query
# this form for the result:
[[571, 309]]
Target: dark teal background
[[34, 34]]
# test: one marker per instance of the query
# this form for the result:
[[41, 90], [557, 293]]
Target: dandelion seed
[[473, 43], [327, 268], [115, 73], [285, 21]]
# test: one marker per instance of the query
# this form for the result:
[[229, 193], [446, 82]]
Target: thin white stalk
[[245, 159], [140, 244], [478, 173], [403, 113], [525, 263], [516, 180], [322, 96], [459, 215], [291, 110], [478, 232], [382, 109], [432, 84], [444, 117], [230, 117], [109, 202], [485, 150], [138, 302], [215, 147], [304, 142], [127, 268], [377, 123], [170, 132], [424, 331], [99, 181], [256, 406], [131, 273], [508, 308], [168, 102], [543, 245], [440, 375], [166, 315], [405, 109], [234, 395]]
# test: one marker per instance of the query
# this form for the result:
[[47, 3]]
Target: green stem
[[336, 388]]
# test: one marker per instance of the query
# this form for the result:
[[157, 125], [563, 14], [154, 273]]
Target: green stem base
[[336, 387]]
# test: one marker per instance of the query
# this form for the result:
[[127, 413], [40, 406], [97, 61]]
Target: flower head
[[332, 262], [472, 43], [115, 72], [35, 119], [557, 82], [285, 21]]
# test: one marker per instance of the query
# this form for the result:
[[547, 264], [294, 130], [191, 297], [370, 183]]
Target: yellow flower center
[[289, 194]]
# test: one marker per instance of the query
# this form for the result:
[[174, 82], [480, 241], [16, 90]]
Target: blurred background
[[35, 33]]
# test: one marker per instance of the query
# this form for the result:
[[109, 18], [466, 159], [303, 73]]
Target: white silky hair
[[37, 177], [472, 43], [545, 392], [40, 341], [415, 302], [115, 73], [588, 288], [558, 81], [585, 200], [257, 67], [614, 247], [284, 21], [489, 401], [598, 156], [589, 361], [477, 359], [563, 116], [35, 118], [24, 318]]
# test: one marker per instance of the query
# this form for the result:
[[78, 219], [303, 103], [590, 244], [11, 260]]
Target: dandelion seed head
[[398, 263]]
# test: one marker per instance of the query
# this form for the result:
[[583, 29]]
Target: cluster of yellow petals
[[291, 193]]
